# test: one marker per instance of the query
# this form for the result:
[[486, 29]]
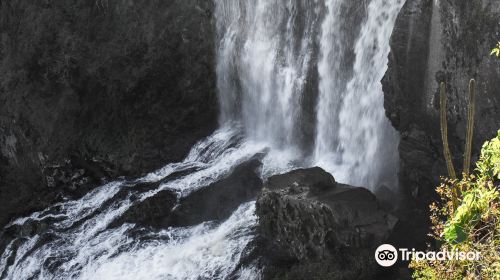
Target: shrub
[[472, 225]]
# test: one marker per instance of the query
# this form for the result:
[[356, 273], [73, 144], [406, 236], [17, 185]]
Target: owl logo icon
[[386, 255]]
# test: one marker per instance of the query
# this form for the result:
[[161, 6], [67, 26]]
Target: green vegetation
[[496, 50], [471, 225]]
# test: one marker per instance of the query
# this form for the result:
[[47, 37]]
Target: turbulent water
[[74, 240], [299, 83]]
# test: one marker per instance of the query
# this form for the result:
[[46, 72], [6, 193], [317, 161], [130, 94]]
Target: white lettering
[[386, 255]]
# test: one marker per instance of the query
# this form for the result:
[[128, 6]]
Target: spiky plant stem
[[444, 133], [470, 126]]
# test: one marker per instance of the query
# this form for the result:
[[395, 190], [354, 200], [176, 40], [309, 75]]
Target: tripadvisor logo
[[387, 255]]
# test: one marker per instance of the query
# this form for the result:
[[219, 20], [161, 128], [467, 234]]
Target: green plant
[[472, 226], [489, 163], [496, 50]]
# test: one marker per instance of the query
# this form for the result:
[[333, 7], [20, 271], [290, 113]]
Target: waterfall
[[267, 56], [264, 58], [298, 84], [355, 140], [332, 86]]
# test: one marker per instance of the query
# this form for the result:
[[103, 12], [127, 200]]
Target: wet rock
[[307, 220], [219, 200], [215, 202], [153, 211], [316, 179]]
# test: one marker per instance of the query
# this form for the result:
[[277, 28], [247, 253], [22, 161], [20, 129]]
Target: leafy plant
[[473, 226], [468, 214], [496, 50], [489, 165]]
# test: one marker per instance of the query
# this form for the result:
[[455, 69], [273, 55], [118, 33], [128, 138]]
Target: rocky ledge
[[313, 227]]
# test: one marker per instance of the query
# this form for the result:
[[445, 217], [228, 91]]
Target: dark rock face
[[307, 220], [127, 84], [216, 202], [153, 211], [219, 200], [433, 42]]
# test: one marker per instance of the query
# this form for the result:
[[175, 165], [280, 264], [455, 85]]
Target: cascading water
[[332, 85], [75, 239], [268, 56], [264, 60], [368, 141], [355, 140]]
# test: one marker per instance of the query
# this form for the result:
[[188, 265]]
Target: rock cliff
[[441, 41], [98, 88]]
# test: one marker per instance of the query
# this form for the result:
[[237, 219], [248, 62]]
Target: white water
[[82, 246], [263, 62], [355, 140], [268, 54], [331, 86]]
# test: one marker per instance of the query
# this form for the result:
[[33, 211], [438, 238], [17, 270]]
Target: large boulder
[[131, 83], [307, 220]]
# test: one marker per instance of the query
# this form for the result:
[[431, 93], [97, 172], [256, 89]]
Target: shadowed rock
[[219, 200], [305, 217], [434, 42], [153, 211], [215, 202], [135, 89]]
